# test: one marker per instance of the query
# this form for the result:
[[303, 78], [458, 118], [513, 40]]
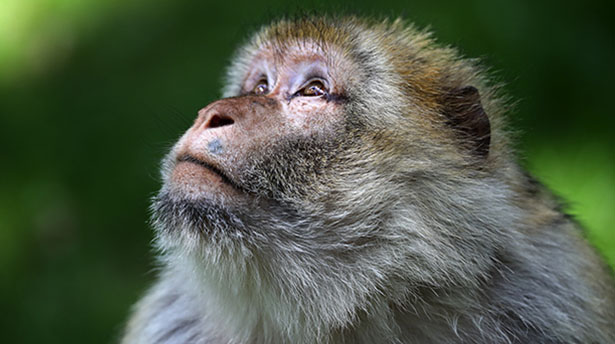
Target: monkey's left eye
[[314, 88]]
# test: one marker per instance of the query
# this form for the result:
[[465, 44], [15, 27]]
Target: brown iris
[[315, 88]]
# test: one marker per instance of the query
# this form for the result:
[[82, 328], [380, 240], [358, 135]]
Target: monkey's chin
[[198, 199]]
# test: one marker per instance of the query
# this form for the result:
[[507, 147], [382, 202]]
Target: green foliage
[[92, 93]]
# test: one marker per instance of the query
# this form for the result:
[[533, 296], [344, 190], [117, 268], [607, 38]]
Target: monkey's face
[[271, 136], [265, 156]]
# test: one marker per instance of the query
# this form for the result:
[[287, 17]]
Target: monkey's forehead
[[378, 46], [321, 31], [289, 53]]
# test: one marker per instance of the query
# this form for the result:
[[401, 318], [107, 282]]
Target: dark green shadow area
[[93, 93]]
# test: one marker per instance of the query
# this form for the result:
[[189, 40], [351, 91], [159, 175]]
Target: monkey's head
[[346, 160]]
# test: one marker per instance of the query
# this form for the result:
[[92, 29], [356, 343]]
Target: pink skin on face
[[229, 131]]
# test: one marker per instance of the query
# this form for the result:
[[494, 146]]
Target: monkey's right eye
[[262, 87]]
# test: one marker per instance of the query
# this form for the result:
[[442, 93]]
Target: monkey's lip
[[217, 171]]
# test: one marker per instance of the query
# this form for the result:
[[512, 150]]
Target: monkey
[[356, 183]]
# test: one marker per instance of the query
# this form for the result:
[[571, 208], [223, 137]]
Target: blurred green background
[[92, 94]]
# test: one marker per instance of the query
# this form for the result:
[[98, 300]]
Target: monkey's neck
[[233, 305], [236, 307], [236, 304]]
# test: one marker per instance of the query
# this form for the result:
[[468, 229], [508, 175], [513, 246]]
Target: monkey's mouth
[[215, 170]]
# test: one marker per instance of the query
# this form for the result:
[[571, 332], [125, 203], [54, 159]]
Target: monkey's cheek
[[192, 181]]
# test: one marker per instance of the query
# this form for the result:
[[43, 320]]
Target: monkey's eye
[[314, 88], [262, 87]]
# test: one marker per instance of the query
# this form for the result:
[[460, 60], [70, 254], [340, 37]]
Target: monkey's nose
[[218, 120], [216, 115]]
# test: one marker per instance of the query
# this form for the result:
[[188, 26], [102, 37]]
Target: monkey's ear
[[465, 113]]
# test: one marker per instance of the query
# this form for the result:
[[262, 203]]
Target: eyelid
[[260, 79]]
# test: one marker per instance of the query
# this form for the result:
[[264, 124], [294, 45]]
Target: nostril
[[219, 121]]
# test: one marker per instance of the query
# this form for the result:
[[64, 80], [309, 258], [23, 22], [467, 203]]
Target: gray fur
[[411, 243]]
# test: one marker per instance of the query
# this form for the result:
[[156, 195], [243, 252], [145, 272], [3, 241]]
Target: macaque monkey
[[356, 184]]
